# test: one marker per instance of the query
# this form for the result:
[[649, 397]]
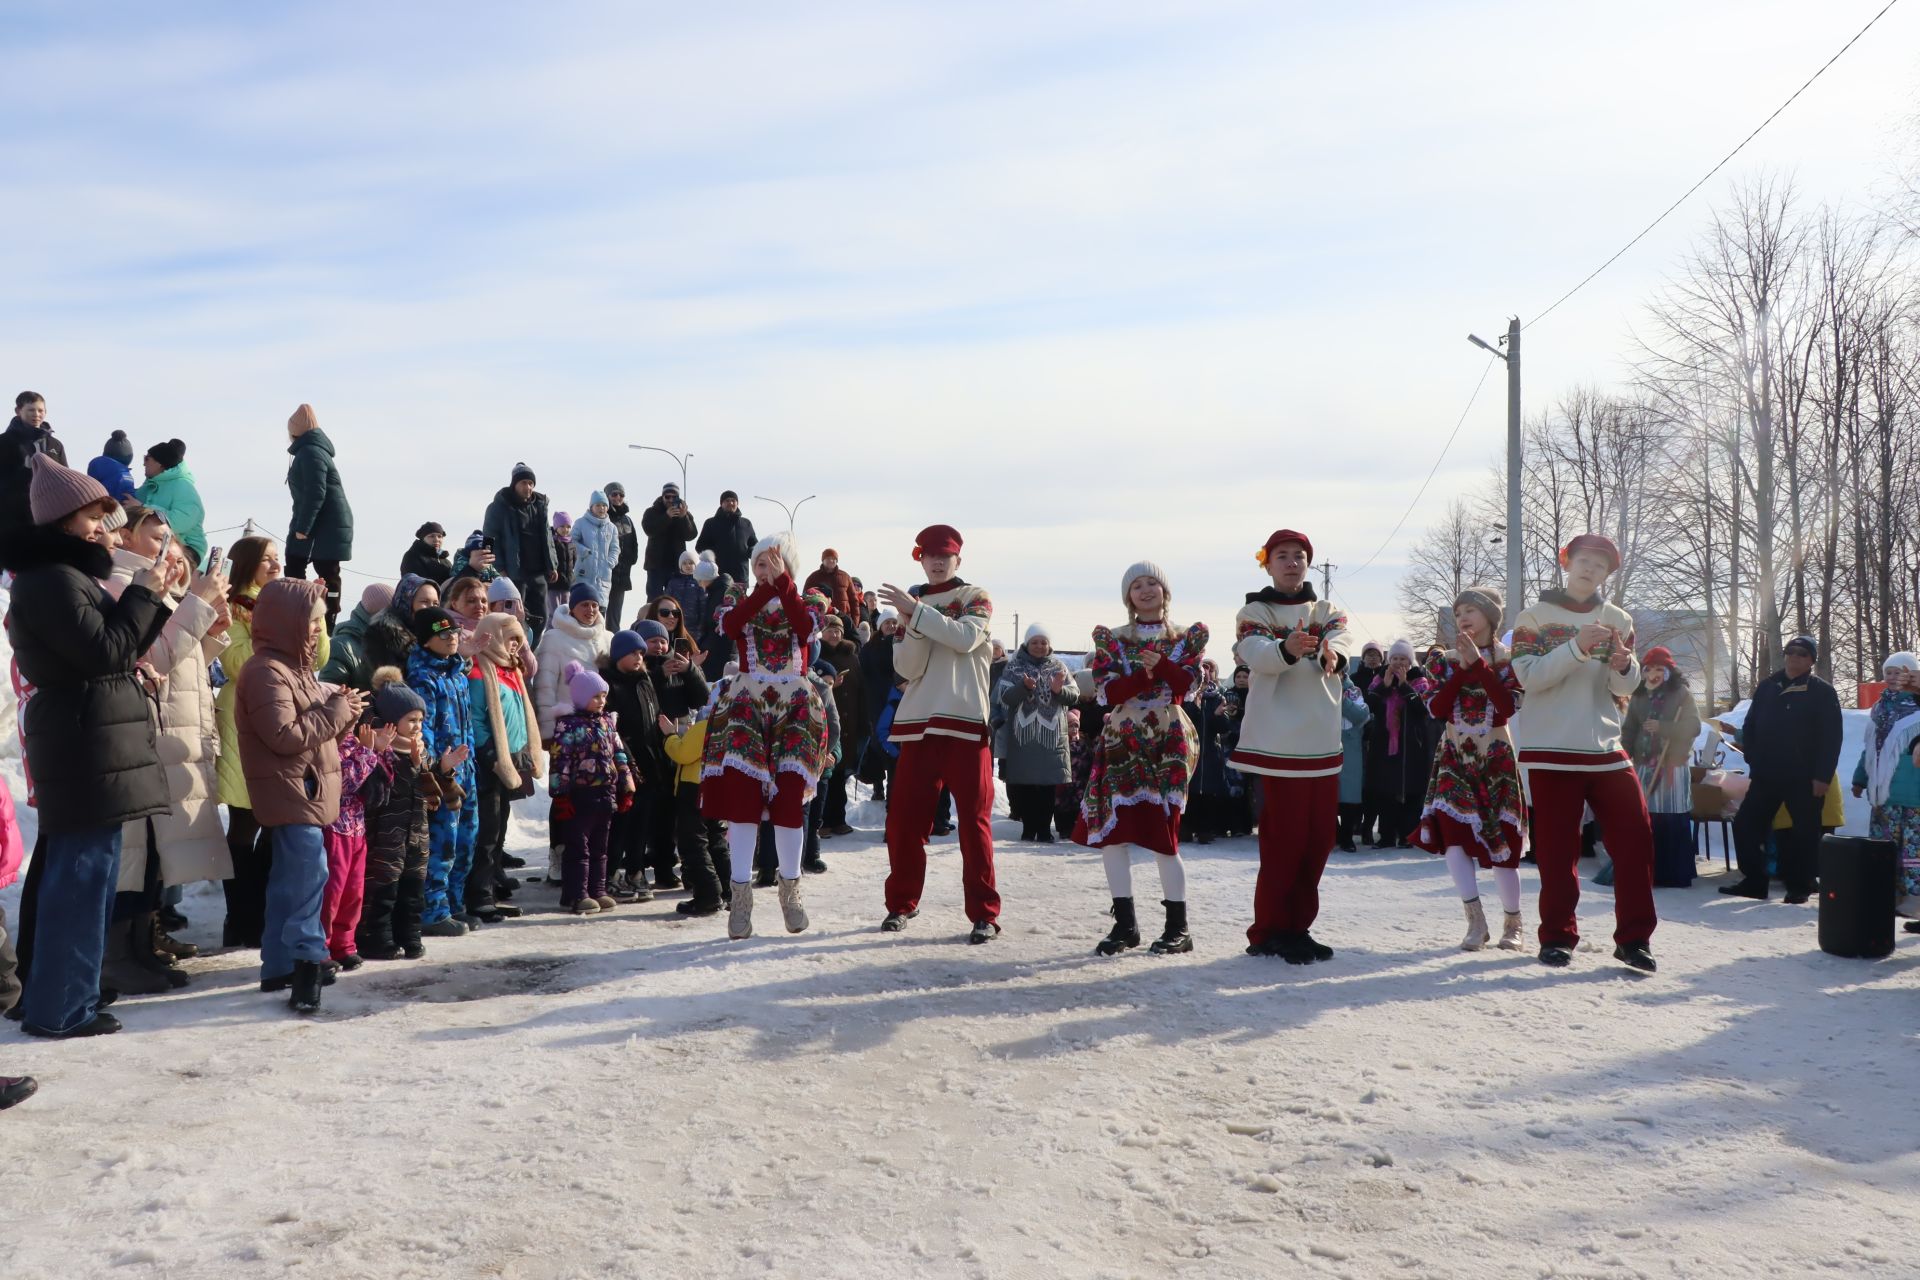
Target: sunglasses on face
[[666, 613]]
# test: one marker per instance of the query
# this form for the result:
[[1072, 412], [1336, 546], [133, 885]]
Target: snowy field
[[633, 1095]]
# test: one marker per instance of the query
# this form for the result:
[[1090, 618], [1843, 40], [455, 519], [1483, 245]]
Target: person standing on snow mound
[[940, 725], [1295, 646], [1573, 655]]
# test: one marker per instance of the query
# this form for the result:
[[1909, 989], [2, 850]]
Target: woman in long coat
[[1035, 693]]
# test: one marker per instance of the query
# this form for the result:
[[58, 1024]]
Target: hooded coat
[[115, 476], [173, 494], [289, 726], [566, 640], [190, 841], [596, 549], [232, 774], [348, 663], [91, 742], [730, 536], [320, 507]]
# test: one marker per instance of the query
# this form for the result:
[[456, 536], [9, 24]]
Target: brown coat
[[289, 727]]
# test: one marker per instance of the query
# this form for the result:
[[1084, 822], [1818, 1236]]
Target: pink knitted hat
[[56, 492]]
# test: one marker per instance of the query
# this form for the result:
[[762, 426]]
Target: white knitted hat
[[1037, 629], [1143, 569]]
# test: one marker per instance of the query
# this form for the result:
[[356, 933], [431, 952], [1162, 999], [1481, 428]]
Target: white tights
[[1119, 860], [1467, 880], [743, 838]]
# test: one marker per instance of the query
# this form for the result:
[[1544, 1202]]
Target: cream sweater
[[945, 655], [1291, 727], [1569, 721]]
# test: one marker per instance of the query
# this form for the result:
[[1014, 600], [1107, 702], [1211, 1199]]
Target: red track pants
[[1299, 818], [966, 769], [1559, 802]]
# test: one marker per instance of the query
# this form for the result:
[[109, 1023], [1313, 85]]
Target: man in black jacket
[[730, 536], [25, 436], [1792, 743], [668, 524], [523, 544], [622, 520]]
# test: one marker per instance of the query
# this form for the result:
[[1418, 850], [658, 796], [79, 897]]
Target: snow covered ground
[[635, 1096]]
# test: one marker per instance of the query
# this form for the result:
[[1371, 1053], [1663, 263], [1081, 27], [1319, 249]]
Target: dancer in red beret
[[944, 654], [1296, 647], [1573, 654]]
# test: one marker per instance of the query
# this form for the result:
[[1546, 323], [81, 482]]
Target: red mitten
[[626, 801], [563, 809]]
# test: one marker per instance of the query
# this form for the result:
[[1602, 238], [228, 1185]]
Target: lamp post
[[681, 458], [1516, 561], [792, 511]]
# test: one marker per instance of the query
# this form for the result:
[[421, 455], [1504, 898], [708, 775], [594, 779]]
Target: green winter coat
[[348, 665], [320, 507], [172, 492]]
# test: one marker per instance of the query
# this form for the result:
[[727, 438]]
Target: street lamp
[[680, 458], [792, 511]]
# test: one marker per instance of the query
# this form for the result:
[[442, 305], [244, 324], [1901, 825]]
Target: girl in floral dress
[[1145, 755], [1887, 776], [1474, 814], [767, 737]]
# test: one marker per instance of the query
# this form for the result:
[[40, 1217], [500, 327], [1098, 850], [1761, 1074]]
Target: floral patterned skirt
[[1138, 783], [1474, 801], [766, 727], [1902, 826]]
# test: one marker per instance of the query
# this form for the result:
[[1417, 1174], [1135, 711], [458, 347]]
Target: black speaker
[[1859, 881]]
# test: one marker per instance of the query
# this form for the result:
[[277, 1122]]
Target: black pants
[[1398, 818], [495, 809], [328, 572], [1369, 821], [1799, 845], [703, 845], [835, 812], [1032, 803], [662, 831], [629, 842], [251, 846], [1350, 817], [810, 849], [615, 599], [533, 595]]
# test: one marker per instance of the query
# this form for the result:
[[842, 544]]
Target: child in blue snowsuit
[[437, 672]]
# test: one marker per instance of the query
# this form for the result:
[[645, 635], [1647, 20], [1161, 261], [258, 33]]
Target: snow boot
[[1477, 932], [169, 946], [698, 905], [308, 977], [791, 907], [121, 969], [409, 903], [1318, 950], [147, 956], [1744, 888], [1175, 940], [606, 902], [582, 906], [1125, 934], [451, 927], [1510, 932], [814, 866], [740, 911]]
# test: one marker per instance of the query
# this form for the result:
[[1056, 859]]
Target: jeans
[[295, 892], [71, 911]]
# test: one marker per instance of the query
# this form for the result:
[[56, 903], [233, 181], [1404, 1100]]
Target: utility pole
[[1516, 557], [1326, 580]]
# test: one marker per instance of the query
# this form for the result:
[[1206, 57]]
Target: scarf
[[1896, 725], [1649, 745], [1554, 595], [493, 675], [1037, 721]]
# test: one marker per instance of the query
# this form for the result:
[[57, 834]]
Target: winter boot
[[582, 906], [451, 927], [408, 905], [121, 968], [1126, 930], [791, 907], [1175, 940], [1510, 932], [148, 957], [606, 901], [553, 865], [168, 945], [1477, 933], [307, 980], [740, 911]]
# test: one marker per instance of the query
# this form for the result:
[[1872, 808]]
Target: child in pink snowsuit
[[361, 768]]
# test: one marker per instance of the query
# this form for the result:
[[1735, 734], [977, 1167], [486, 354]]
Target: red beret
[[1279, 536], [937, 540], [1591, 542], [1659, 656]]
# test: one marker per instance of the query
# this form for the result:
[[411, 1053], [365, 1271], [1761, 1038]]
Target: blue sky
[[1091, 281]]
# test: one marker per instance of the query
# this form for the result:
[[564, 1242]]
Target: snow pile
[[633, 1095]]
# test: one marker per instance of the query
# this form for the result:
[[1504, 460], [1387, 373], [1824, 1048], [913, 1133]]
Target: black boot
[[1126, 930], [374, 938], [148, 956], [1175, 940], [408, 907], [307, 978], [121, 967]]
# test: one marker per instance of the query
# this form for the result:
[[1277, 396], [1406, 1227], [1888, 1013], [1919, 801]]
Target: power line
[[1716, 168], [1431, 471]]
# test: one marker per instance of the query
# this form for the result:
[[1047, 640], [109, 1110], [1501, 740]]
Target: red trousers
[[966, 769], [1559, 803], [346, 891], [1299, 818]]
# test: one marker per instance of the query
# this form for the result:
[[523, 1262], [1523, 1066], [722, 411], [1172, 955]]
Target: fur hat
[[119, 448], [706, 570], [583, 684], [937, 540], [432, 621], [168, 453], [1488, 600], [392, 699], [783, 543], [1136, 571], [376, 597], [56, 492], [583, 592]]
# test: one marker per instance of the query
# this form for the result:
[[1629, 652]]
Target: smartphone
[[486, 544], [214, 558], [683, 646], [166, 545]]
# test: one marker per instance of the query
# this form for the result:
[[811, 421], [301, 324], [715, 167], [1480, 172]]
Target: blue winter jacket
[[114, 476], [1353, 753], [442, 685], [596, 549]]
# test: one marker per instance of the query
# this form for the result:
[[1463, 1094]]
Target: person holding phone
[[669, 527]]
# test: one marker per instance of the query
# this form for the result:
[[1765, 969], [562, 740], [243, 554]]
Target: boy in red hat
[[1573, 655], [1296, 647], [944, 654]]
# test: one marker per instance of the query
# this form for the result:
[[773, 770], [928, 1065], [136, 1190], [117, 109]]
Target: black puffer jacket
[[17, 447], [667, 536], [622, 519], [435, 566], [636, 711], [730, 536], [91, 741]]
